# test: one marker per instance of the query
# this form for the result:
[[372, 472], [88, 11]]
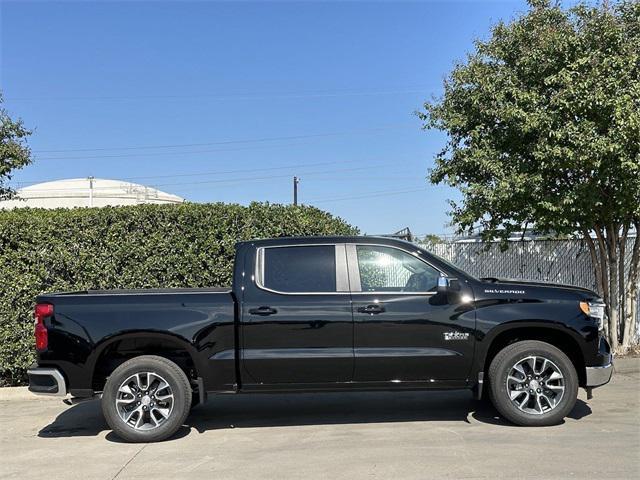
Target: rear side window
[[306, 269]]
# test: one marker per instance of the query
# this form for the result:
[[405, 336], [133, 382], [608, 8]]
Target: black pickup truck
[[322, 314]]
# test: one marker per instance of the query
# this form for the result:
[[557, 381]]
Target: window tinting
[[386, 269], [300, 269]]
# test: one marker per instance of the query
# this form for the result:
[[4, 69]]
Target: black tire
[[178, 383], [501, 367]]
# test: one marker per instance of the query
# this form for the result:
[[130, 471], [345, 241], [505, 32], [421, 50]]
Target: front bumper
[[47, 381], [600, 366], [598, 376]]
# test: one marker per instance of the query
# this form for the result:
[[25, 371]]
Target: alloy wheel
[[144, 401], [535, 385]]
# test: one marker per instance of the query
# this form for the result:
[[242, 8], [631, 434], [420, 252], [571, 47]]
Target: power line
[[216, 172], [216, 181], [240, 97], [229, 142], [242, 179], [283, 167], [381, 193], [174, 153]]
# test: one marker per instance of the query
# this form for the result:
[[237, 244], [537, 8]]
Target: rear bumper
[[598, 376], [47, 381]]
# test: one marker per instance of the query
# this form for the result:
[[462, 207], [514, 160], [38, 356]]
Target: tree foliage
[[14, 152], [143, 246], [543, 123], [432, 239]]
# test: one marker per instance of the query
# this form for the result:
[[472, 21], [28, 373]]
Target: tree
[[432, 239], [543, 124], [14, 152]]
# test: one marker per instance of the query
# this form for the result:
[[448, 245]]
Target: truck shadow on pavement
[[276, 410]]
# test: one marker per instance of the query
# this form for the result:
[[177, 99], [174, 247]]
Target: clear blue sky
[[236, 98]]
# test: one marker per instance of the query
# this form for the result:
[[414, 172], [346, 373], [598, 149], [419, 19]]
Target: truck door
[[404, 331], [296, 320]]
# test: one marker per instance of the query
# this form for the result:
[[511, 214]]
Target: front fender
[[497, 318]]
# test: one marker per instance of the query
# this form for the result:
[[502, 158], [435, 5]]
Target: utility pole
[[296, 181], [90, 191]]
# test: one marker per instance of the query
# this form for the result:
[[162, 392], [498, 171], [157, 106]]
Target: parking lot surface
[[412, 435]]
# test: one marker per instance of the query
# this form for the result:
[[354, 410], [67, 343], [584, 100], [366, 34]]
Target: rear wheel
[[532, 383], [146, 399]]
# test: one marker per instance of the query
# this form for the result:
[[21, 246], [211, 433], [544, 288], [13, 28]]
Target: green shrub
[[144, 246]]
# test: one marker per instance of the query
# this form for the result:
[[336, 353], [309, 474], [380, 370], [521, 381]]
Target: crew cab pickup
[[322, 314]]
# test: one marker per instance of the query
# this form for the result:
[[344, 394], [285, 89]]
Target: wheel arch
[[557, 337], [118, 349]]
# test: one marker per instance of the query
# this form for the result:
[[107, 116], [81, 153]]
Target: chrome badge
[[455, 336]]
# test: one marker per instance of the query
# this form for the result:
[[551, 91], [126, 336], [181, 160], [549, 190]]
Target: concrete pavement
[[415, 435]]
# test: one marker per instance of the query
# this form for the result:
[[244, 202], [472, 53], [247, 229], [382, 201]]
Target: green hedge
[[188, 245]]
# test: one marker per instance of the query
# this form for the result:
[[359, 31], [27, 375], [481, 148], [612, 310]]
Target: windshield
[[450, 265]]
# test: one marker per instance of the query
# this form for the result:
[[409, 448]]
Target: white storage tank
[[87, 192]]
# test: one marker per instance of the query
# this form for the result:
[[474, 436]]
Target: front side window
[[305, 269], [386, 269]]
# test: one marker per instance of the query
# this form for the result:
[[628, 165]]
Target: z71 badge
[[456, 336]]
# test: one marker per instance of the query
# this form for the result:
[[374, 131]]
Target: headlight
[[595, 310]]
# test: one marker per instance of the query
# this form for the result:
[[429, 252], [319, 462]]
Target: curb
[[626, 365], [20, 393]]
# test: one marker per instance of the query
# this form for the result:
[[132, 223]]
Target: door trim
[[297, 353], [386, 352]]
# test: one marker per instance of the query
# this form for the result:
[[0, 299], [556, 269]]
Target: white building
[[87, 192]]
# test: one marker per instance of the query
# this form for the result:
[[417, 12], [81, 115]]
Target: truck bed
[[89, 324], [142, 291]]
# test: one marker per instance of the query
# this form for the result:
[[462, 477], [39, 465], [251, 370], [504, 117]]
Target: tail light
[[42, 311]]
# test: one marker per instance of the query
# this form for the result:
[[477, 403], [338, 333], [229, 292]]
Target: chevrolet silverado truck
[[322, 314]]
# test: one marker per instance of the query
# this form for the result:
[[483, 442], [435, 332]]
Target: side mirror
[[446, 284], [443, 284]]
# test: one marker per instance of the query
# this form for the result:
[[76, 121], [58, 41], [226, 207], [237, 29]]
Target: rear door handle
[[371, 309], [263, 311]]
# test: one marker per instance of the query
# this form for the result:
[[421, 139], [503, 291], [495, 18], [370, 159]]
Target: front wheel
[[146, 399], [532, 383]]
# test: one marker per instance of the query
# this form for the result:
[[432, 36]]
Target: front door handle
[[263, 311], [371, 309]]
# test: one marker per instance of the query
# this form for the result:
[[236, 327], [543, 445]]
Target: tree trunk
[[622, 284], [595, 261], [631, 293], [630, 320], [614, 287], [618, 280], [604, 270], [603, 258]]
